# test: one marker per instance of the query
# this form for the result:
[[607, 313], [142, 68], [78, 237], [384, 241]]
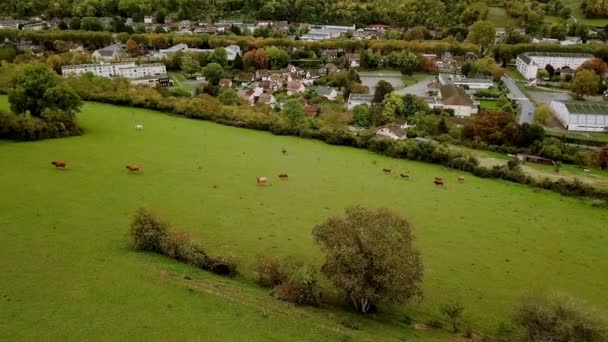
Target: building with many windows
[[581, 115], [152, 74], [529, 63]]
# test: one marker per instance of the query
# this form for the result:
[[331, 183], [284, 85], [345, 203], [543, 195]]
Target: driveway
[[418, 89], [526, 107]]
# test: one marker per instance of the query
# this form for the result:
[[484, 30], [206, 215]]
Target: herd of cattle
[[264, 180]]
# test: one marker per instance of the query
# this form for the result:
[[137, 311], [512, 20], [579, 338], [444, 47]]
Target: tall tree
[[382, 89], [213, 73], [481, 33], [585, 83], [293, 112], [370, 257], [37, 89]]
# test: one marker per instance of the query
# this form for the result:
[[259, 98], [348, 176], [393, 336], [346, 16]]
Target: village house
[[455, 98], [330, 69], [266, 99], [329, 54], [148, 20], [353, 59], [262, 75], [312, 110], [225, 83], [295, 87], [326, 92], [433, 88], [358, 99], [392, 131], [245, 78], [109, 53]]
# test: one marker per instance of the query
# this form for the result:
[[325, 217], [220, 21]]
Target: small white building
[[393, 131], [461, 80], [326, 92], [148, 20], [358, 99], [581, 115], [529, 63]]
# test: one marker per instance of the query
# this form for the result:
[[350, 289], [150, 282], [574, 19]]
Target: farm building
[[529, 63], [581, 115]]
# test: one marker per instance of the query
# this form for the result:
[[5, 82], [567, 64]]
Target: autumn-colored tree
[[132, 48], [370, 257], [542, 114], [255, 59], [596, 65], [481, 33], [415, 33]]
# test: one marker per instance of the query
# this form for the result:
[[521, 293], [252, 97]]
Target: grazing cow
[[438, 178], [59, 164], [284, 176], [133, 168], [139, 127], [405, 175], [386, 170], [438, 182], [261, 180], [461, 179], [284, 151]]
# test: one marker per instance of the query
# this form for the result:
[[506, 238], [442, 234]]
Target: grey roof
[[524, 57], [360, 97], [558, 54], [324, 90], [585, 107], [109, 51], [395, 129]]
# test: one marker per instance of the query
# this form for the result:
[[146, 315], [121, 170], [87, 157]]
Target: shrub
[[301, 287], [178, 245], [435, 323], [269, 271], [555, 319], [453, 313], [148, 231], [222, 265]]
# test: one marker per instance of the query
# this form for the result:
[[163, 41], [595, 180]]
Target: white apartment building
[[581, 115], [529, 63], [128, 70]]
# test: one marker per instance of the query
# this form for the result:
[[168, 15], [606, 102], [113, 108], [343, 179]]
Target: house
[[232, 51], [327, 92], [470, 57], [267, 99], [295, 87], [529, 63], [262, 74], [392, 131], [148, 20], [565, 71], [433, 88], [108, 53], [312, 110], [330, 69], [353, 59], [225, 83], [11, 24], [329, 54], [358, 99], [583, 116], [455, 98], [320, 32], [245, 78]]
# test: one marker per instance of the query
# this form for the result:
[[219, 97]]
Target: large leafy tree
[[36, 89], [213, 72], [293, 112], [382, 89], [370, 257], [586, 82], [481, 33]]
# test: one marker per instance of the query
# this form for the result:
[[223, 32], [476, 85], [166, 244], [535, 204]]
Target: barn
[[582, 116]]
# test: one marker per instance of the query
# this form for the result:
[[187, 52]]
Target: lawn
[[179, 81], [69, 273], [499, 17], [488, 104]]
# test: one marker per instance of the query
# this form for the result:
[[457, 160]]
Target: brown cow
[[133, 168], [284, 176], [438, 182], [261, 180], [386, 170], [59, 164], [461, 179], [284, 150], [404, 175], [438, 178]]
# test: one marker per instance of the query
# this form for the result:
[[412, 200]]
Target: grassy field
[[488, 104], [68, 272], [179, 81], [499, 17]]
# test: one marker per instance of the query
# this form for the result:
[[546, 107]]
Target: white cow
[[139, 127]]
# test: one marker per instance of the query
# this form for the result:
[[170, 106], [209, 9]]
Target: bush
[[555, 319], [301, 287], [269, 271], [28, 128], [222, 265], [435, 323], [178, 245], [148, 231]]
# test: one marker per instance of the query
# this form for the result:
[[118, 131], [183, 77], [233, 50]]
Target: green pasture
[[69, 272], [488, 104]]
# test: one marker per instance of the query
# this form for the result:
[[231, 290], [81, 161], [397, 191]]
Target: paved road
[[526, 108]]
